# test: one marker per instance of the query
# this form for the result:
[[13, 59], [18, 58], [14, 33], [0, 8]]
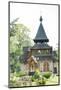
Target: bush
[[47, 75], [19, 74], [38, 78], [32, 79], [36, 75], [42, 81]]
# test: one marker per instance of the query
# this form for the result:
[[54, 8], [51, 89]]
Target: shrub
[[19, 74], [38, 78], [42, 81], [37, 74], [47, 75], [32, 79]]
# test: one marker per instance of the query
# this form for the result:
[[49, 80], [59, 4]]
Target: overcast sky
[[29, 15]]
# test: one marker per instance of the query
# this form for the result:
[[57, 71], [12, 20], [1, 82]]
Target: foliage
[[19, 37], [53, 80], [36, 75], [32, 79], [21, 73], [38, 78], [14, 65], [47, 75], [42, 81]]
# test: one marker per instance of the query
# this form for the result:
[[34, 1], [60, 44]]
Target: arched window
[[46, 66]]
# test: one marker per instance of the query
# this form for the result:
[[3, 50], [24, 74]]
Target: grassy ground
[[52, 80], [20, 81]]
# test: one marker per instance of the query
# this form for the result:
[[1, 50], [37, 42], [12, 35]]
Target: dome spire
[[41, 18], [41, 35]]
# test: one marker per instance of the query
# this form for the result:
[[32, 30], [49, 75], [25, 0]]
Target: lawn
[[52, 80], [26, 81]]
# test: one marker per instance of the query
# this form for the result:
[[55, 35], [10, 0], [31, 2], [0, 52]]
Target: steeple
[[41, 35]]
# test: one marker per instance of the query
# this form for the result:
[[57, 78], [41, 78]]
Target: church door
[[46, 66]]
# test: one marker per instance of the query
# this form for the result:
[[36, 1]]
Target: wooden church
[[41, 54]]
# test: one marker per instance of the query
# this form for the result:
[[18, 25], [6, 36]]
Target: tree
[[19, 37]]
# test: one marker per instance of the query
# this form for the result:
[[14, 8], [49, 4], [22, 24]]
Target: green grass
[[15, 81], [52, 80]]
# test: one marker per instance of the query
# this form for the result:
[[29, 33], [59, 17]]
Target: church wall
[[41, 65], [56, 65], [25, 67], [51, 65]]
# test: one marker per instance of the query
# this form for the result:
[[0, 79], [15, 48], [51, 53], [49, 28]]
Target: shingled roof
[[41, 46], [41, 35]]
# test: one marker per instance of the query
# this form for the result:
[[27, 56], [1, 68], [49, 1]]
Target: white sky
[[29, 15]]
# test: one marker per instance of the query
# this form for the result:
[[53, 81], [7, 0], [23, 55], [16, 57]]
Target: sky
[[29, 15]]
